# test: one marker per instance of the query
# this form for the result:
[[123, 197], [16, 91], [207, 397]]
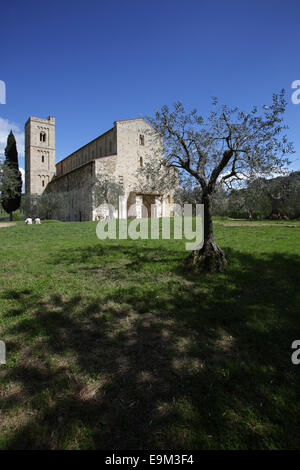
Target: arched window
[[43, 158], [141, 161], [42, 136], [142, 139]]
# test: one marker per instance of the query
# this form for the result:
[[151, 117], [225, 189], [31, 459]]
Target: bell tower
[[39, 154]]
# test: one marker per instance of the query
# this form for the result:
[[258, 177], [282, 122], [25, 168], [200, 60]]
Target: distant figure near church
[[119, 152], [28, 221], [37, 220]]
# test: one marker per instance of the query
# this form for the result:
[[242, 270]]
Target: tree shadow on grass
[[135, 252], [205, 363]]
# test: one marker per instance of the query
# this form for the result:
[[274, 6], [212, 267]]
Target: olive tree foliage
[[106, 192], [48, 205], [226, 146], [157, 176], [275, 198], [255, 200], [282, 195], [292, 206], [219, 202], [188, 195]]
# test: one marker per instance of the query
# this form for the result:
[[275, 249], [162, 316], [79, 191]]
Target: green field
[[112, 345]]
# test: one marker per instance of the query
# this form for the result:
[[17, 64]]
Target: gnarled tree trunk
[[210, 258]]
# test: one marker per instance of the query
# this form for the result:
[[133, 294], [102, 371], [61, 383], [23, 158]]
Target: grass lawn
[[112, 345]]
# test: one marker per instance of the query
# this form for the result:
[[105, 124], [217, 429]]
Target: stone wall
[[73, 192], [102, 146], [132, 152], [118, 152], [39, 155], [76, 187]]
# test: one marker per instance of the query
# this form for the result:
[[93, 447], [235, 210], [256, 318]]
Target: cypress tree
[[11, 179]]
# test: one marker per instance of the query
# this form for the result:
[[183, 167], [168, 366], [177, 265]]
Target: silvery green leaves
[[229, 141], [228, 145], [106, 189]]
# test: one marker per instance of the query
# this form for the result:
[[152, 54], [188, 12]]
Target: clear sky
[[90, 63]]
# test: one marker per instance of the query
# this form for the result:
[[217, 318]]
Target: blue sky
[[93, 62]]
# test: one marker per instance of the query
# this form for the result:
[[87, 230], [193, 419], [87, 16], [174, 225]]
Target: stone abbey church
[[118, 152]]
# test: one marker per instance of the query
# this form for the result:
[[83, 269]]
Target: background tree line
[[275, 198]]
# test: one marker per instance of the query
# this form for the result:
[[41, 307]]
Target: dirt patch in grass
[[254, 224], [7, 224]]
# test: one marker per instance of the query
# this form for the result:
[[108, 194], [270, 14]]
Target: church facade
[[119, 152]]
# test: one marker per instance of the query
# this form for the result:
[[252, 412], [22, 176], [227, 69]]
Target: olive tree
[[106, 191], [46, 206], [226, 146], [156, 176]]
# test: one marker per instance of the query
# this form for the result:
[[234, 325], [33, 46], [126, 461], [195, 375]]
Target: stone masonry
[[117, 152]]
